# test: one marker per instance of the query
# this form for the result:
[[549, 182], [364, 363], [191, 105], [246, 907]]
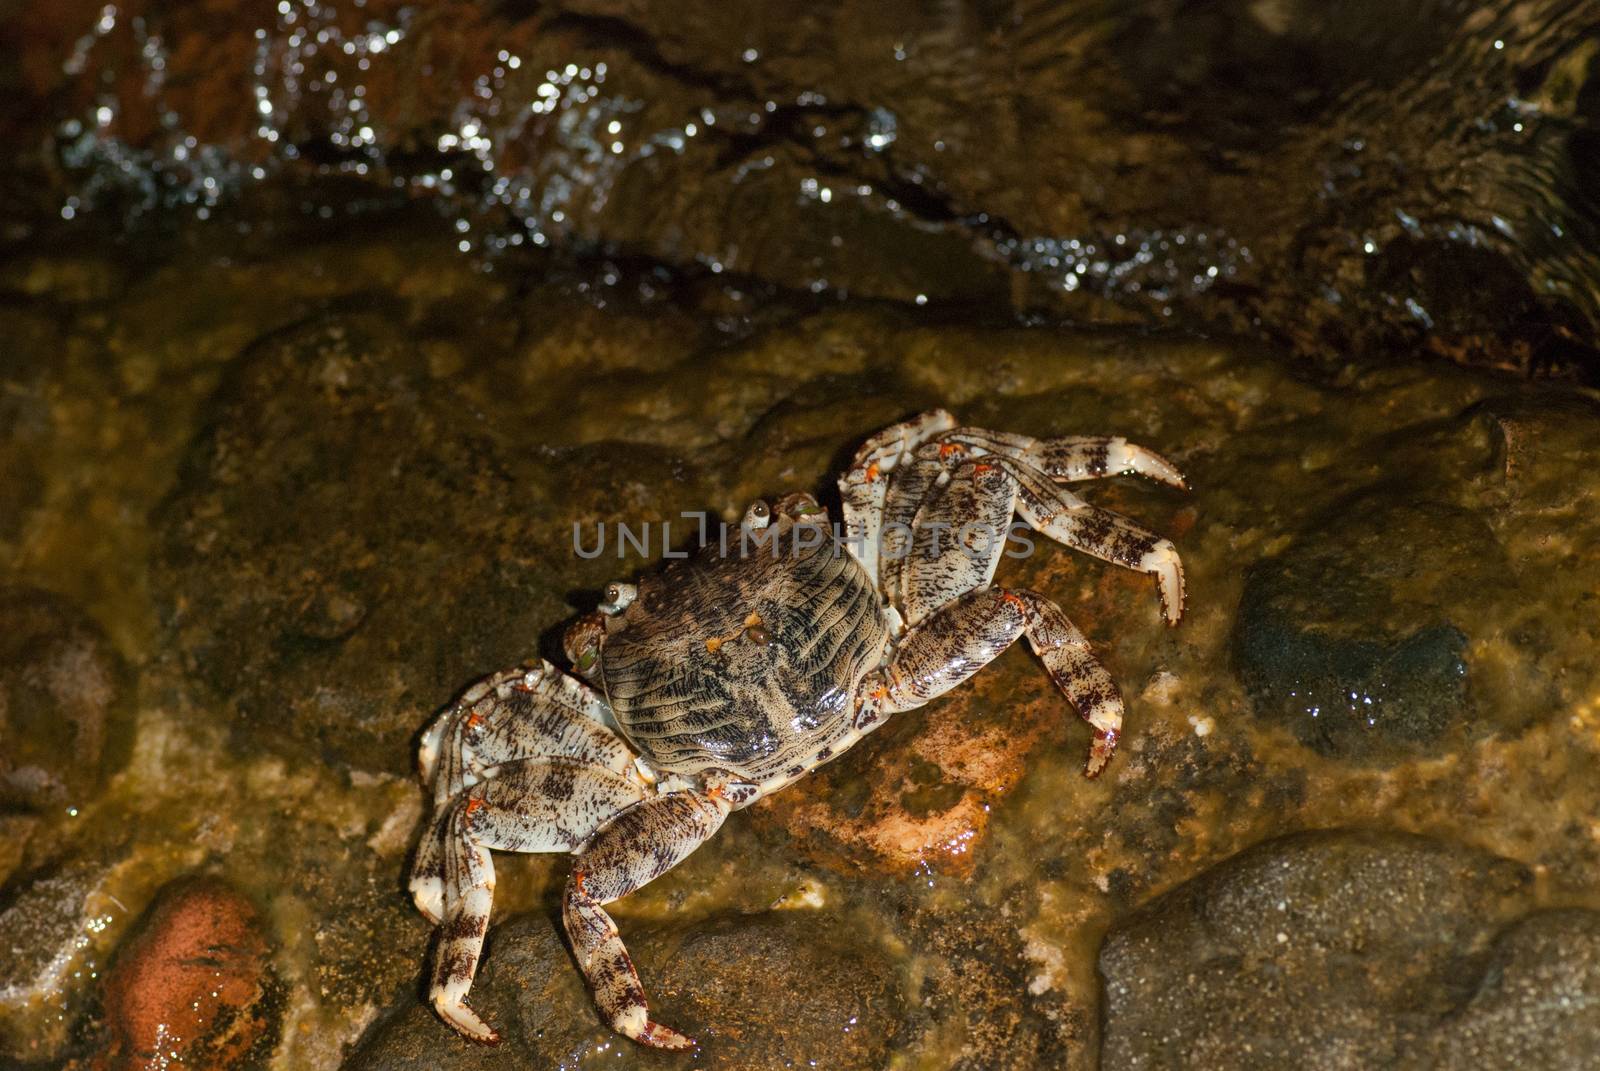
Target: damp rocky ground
[[267, 506]]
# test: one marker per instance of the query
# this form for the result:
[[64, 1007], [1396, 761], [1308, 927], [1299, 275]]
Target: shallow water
[[1399, 177], [290, 458], [195, 500]]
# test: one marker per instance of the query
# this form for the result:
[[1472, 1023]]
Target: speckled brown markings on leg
[[864, 485], [910, 487], [946, 649], [944, 565], [956, 642], [1098, 455], [520, 713], [640, 845], [1071, 663], [1040, 466], [546, 804], [1064, 517]]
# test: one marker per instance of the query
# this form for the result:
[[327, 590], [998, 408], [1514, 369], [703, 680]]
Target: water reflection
[[1415, 175]]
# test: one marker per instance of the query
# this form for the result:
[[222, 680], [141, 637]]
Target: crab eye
[[618, 597], [759, 515]]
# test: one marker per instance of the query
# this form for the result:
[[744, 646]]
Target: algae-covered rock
[[1330, 950]]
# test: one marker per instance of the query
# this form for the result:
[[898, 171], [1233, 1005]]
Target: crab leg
[[1074, 457], [956, 642], [916, 482], [865, 482], [1110, 537], [640, 845], [1082, 457], [536, 805], [511, 715], [1066, 518], [516, 714], [960, 534]]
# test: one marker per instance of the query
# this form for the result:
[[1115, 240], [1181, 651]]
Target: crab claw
[[464, 1019], [1100, 751], [662, 1037]]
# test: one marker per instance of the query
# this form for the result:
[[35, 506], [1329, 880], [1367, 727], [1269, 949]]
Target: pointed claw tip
[[1100, 752], [664, 1037], [466, 1022]]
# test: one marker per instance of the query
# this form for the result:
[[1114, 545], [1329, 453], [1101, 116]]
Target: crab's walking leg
[[865, 483], [1074, 457], [1083, 457], [958, 539], [1110, 537], [511, 715], [536, 805], [515, 714], [956, 642], [644, 842], [1066, 518]]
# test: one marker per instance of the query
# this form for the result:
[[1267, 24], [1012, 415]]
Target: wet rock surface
[[1397, 177], [40, 927], [1536, 1006], [923, 798], [1305, 643], [341, 513], [64, 701], [193, 984], [1342, 950], [730, 983]]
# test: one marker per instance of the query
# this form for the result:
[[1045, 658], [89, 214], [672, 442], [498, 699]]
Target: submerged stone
[[1536, 1006], [1348, 636], [193, 985], [64, 702], [1329, 950], [53, 923]]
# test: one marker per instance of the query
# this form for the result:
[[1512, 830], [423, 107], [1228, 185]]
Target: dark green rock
[[1349, 636]]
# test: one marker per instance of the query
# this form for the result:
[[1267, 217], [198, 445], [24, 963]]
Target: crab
[[728, 676]]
